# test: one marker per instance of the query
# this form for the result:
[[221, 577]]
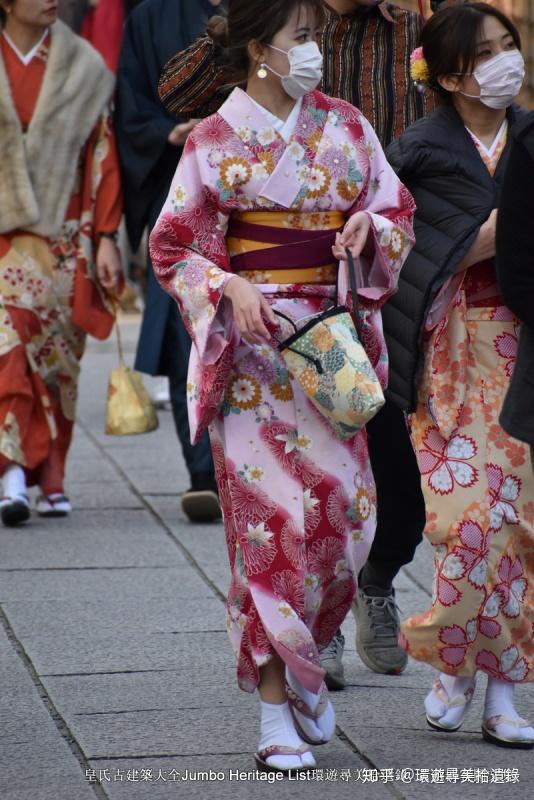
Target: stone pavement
[[114, 659]]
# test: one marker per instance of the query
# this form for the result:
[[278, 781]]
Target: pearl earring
[[262, 72]]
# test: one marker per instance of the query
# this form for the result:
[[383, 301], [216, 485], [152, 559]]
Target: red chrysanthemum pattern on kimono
[[337, 508], [213, 132], [287, 585], [293, 544], [324, 555], [250, 504]]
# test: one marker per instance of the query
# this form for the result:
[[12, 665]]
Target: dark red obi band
[[294, 248]]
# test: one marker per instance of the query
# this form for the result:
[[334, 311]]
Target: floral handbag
[[329, 363]]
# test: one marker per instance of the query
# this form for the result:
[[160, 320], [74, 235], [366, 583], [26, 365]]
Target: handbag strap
[[115, 306], [352, 281]]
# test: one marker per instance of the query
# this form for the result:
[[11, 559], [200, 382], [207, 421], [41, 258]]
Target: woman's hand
[[354, 236], [180, 132], [108, 266], [484, 245], [250, 308]]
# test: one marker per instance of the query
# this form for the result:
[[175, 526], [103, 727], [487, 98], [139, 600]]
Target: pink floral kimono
[[299, 504]]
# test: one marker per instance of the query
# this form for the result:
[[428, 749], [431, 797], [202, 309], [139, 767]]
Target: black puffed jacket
[[515, 271]]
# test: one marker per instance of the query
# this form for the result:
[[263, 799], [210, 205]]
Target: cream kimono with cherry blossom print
[[299, 505], [478, 486]]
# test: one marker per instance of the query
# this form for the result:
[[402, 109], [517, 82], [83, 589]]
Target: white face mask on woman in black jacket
[[500, 79]]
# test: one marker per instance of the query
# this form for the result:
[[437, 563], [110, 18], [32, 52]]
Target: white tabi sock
[[14, 481], [277, 728], [324, 727], [437, 710], [500, 701]]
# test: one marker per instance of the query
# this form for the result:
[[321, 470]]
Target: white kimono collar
[[25, 57]]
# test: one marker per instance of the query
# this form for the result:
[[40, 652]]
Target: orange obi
[[284, 247]]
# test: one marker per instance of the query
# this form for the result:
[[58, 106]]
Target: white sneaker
[[161, 395], [53, 505]]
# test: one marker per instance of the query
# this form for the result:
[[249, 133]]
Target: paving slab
[[97, 619], [133, 691], [129, 538], [114, 584], [35, 760], [125, 652]]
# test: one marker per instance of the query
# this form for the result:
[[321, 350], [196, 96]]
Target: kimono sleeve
[[101, 209], [391, 209], [189, 256], [107, 181]]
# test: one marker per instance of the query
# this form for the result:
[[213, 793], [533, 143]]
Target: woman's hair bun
[[218, 30]]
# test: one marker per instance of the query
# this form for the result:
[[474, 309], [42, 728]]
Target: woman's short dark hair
[[249, 20], [450, 40]]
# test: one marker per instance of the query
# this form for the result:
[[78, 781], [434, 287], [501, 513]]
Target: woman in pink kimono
[[268, 194]]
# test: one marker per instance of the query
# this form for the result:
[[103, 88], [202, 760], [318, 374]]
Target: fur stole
[[38, 169]]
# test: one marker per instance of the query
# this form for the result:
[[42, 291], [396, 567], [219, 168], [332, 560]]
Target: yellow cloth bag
[[129, 408]]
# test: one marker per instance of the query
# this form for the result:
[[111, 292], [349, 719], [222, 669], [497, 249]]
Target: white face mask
[[305, 69], [500, 79]]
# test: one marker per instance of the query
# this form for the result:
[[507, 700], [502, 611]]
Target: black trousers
[[175, 360], [401, 506]]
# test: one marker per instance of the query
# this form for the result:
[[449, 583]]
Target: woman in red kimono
[[59, 212]]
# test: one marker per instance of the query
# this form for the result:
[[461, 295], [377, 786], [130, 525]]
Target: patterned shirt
[[367, 62]]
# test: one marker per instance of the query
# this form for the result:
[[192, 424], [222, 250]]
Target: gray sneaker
[[331, 662], [377, 633]]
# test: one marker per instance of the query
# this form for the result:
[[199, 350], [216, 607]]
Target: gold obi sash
[[299, 246]]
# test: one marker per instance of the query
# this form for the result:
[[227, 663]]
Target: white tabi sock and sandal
[[313, 714], [53, 505], [14, 505], [447, 703], [502, 724], [281, 749]]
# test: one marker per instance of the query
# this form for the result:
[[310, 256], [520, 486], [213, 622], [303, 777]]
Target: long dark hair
[[450, 40], [252, 20]]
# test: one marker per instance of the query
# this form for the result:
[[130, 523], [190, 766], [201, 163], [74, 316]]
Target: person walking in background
[[477, 481], [59, 212], [515, 272], [366, 48], [150, 145], [103, 26], [278, 163], [72, 13]]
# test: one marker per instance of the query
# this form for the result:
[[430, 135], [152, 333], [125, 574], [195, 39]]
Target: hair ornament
[[419, 71]]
